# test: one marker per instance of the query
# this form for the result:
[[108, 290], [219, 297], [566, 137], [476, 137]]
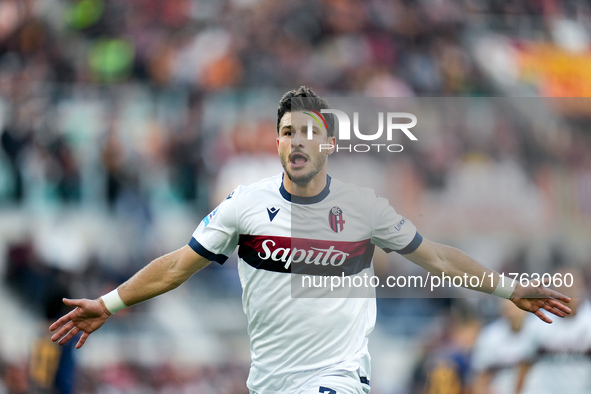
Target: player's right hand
[[87, 317]]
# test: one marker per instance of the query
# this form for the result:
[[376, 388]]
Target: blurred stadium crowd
[[123, 123]]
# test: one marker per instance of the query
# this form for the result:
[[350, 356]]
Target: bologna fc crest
[[335, 219]]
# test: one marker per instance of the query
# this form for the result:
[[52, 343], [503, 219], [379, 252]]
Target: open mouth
[[298, 160]]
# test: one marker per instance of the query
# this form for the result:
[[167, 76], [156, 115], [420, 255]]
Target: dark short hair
[[312, 101]]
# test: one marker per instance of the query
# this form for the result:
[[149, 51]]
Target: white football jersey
[[282, 238], [560, 354], [500, 350]]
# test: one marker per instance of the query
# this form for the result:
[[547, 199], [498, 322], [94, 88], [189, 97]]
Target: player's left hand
[[534, 299]]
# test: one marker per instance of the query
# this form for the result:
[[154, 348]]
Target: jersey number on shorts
[[326, 390]]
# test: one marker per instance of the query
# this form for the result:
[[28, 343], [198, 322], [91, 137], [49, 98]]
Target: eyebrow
[[289, 127]]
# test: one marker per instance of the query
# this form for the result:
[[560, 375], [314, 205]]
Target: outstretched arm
[[161, 275], [437, 259]]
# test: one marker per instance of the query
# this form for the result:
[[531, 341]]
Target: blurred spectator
[[52, 368], [567, 353], [499, 349], [26, 274], [444, 366]]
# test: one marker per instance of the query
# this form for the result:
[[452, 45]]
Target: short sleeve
[[391, 231], [216, 237]]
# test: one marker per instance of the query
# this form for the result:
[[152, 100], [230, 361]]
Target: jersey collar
[[305, 200]]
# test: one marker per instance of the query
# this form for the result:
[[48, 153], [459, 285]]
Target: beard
[[302, 177]]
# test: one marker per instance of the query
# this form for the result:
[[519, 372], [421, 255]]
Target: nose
[[297, 138]]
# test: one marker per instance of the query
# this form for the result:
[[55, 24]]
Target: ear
[[333, 142]]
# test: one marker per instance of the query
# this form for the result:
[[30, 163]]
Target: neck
[[310, 189]]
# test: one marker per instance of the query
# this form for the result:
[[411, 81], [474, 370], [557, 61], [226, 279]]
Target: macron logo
[[272, 212]]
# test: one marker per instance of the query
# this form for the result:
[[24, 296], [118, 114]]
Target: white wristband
[[113, 302], [505, 287]]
